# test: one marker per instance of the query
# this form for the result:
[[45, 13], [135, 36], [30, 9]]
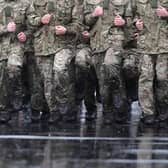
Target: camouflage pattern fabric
[[152, 43], [107, 46], [12, 51]]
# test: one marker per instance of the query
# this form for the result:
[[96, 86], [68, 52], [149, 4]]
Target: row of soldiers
[[60, 52]]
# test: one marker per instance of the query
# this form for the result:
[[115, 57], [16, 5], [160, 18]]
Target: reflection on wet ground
[[83, 145]]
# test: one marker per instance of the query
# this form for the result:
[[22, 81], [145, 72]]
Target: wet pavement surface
[[83, 144]]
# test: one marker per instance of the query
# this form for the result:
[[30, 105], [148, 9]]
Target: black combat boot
[[108, 115], [45, 116], [162, 113], [5, 117], [148, 119], [54, 117], [108, 119], [70, 116], [98, 97], [35, 116], [91, 115]]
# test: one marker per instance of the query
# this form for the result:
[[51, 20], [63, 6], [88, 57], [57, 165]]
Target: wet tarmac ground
[[83, 144]]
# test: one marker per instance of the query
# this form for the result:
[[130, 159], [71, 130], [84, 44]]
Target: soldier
[[56, 31], [131, 62], [34, 100], [151, 22], [85, 72], [106, 20], [13, 36]]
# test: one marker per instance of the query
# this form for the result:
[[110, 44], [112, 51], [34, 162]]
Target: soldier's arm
[[137, 17], [75, 26], [3, 30], [33, 19], [129, 27], [89, 19]]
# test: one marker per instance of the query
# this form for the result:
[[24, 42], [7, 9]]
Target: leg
[[64, 82], [14, 70], [5, 115], [162, 86], [98, 60], [36, 87], [146, 89], [45, 67], [82, 67], [131, 73], [89, 97], [85, 83], [115, 87]]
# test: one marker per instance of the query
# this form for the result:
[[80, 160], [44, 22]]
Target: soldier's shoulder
[[25, 3], [2, 2], [119, 2], [93, 2], [164, 3], [71, 2], [142, 1]]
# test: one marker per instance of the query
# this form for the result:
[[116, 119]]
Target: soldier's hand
[[21, 37], [139, 24], [119, 21], [11, 27], [161, 11], [46, 19], [60, 30], [136, 36], [98, 11], [86, 34]]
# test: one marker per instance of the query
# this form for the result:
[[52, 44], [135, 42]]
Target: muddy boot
[[108, 119], [108, 115], [98, 98], [54, 117], [122, 115], [91, 116], [5, 116], [45, 116], [35, 116], [70, 117], [148, 120], [121, 118], [162, 114]]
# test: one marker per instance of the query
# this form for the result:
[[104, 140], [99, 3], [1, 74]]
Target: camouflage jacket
[[153, 38], [12, 11], [103, 31], [64, 12], [130, 30]]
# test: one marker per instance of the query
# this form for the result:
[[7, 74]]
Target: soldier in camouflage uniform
[[105, 19], [131, 62], [13, 37], [56, 31], [85, 72], [151, 22], [32, 82]]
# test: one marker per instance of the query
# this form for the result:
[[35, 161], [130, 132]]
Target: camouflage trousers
[[4, 102], [14, 75], [11, 83], [108, 67], [64, 82], [37, 81], [85, 79], [53, 82], [153, 84], [131, 71]]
